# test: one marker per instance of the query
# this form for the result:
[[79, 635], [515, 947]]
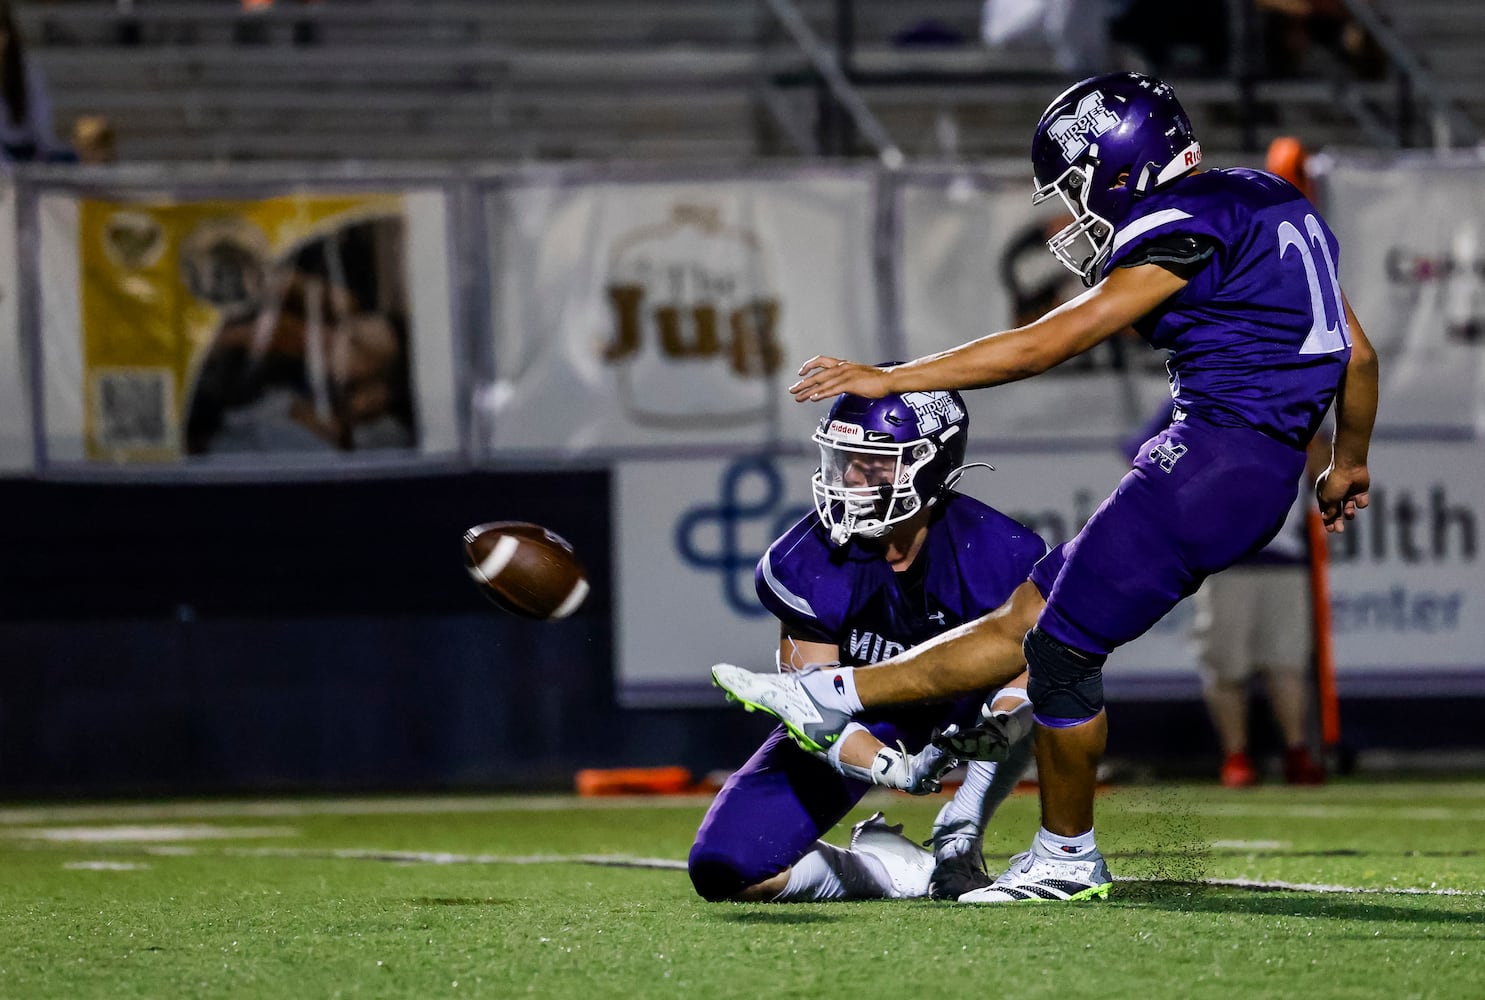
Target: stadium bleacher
[[672, 79]]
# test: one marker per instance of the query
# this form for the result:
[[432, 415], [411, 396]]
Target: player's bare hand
[[1340, 493], [822, 377]]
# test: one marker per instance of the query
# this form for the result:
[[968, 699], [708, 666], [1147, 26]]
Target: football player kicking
[[1234, 272], [892, 556]]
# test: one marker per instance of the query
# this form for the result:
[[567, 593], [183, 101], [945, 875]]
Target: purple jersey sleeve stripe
[[785, 596], [1145, 224]]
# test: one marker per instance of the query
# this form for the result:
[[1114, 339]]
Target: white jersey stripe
[[784, 594], [1140, 227]]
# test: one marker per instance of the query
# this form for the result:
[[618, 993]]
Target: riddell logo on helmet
[[1089, 120], [1192, 157], [841, 429]]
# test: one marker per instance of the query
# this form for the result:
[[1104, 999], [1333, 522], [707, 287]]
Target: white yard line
[[447, 858], [668, 864], [1367, 808], [1275, 886], [106, 866], [292, 808], [1280, 810], [137, 834]]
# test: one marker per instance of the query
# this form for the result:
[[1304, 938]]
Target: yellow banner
[[273, 325]]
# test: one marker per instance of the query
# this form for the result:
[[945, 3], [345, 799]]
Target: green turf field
[[515, 896]]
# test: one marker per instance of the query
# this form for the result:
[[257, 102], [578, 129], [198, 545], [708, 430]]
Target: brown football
[[525, 569]]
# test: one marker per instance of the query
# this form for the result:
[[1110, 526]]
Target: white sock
[[834, 687], [829, 872], [1050, 845], [961, 822]]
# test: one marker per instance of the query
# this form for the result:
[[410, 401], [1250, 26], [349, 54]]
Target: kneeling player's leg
[[766, 817], [760, 838]]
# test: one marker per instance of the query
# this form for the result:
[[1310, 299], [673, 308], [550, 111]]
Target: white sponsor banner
[[691, 531], [1407, 591], [1412, 236], [1406, 582], [972, 259], [255, 332], [15, 376], [657, 313]]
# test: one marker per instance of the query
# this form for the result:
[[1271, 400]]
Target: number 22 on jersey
[[1323, 338]]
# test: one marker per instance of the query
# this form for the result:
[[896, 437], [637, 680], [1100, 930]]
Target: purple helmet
[[1101, 144], [884, 460]]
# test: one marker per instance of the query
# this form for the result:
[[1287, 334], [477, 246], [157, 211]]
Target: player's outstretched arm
[[1065, 332], [1342, 489]]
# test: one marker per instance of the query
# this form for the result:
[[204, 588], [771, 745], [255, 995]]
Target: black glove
[[987, 741]]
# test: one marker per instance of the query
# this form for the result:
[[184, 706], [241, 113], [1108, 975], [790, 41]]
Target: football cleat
[[959, 862], [958, 874], [1032, 878], [908, 866], [1301, 768], [1238, 771], [812, 725]]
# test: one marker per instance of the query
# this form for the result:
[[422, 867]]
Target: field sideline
[[1360, 889]]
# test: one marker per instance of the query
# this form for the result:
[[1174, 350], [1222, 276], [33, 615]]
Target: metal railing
[[1449, 123], [839, 87]]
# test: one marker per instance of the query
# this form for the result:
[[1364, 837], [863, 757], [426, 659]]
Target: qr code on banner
[[133, 408]]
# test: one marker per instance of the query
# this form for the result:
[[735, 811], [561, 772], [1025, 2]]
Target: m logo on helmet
[[1089, 120], [935, 410]]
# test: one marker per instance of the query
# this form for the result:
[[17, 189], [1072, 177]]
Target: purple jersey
[[973, 559], [773, 808], [1259, 335]]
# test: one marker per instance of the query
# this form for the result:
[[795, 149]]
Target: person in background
[[1076, 31], [94, 141], [252, 31], [25, 105], [1294, 30]]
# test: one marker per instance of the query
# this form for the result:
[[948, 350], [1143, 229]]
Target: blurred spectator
[[1175, 36], [93, 139], [1292, 29], [25, 106], [1167, 36], [252, 31], [1077, 31]]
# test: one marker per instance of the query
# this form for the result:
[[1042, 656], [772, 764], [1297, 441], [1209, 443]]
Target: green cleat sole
[[795, 734], [1096, 892], [1092, 892]]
